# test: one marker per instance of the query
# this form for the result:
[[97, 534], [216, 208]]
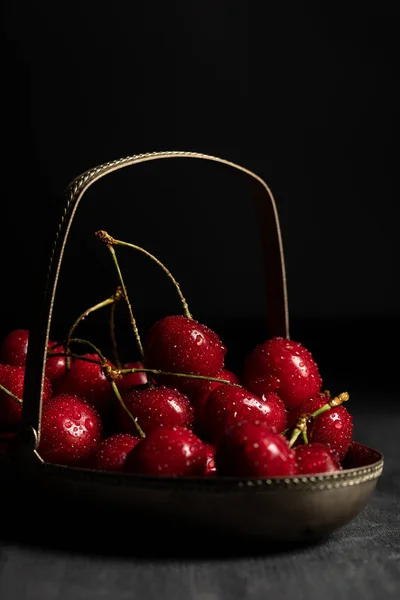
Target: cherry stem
[[126, 409], [92, 346], [13, 396], [110, 241], [77, 356], [112, 336], [301, 425], [111, 300], [188, 375]]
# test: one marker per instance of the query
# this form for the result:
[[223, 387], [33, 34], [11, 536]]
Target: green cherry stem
[[301, 425], [92, 346], [13, 396], [186, 375], [110, 241], [73, 355], [120, 400], [111, 300]]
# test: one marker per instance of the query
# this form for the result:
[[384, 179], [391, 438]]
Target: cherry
[[55, 365], [315, 458], [182, 345], [131, 380], [12, 378], [14, 348], [228, 405], [153, 408], [200, 392], [87, 380], [112, 452], [253, 449], [170, 451], [211, 469], [335, 429], [71, 430], [285, 367]]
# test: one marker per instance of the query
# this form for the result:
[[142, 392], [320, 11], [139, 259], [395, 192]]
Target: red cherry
[[87, 380], [153, 408], [131, 380], [182, 345], [286, 368], [211, 469], [200, 392], [228, 405], [254, 450], [171, 451], [71, 430], [14, 347], [315, 458], [12, 378], [112, 452], [56, 365], [335, 429]]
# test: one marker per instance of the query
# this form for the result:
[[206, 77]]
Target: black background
[[306, 99]]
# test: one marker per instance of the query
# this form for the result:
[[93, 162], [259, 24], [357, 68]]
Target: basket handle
[[278, 316]]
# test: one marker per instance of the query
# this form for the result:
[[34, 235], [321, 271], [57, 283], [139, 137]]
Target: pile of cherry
[[179, 411], [191, 426]]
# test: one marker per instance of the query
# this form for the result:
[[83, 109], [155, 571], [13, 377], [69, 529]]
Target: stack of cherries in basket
[[177, 411]]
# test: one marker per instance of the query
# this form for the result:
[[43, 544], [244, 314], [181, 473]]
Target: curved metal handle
[[39, 334]]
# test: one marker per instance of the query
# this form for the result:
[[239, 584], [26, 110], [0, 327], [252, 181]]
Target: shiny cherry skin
[[253, 449], [71, 430], [168, 451], [228, 405], [286, 367]]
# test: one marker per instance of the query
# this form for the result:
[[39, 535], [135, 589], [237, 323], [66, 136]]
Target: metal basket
[[282, 509]]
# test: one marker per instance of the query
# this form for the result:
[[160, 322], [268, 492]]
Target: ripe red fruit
[[285, 367], [112, 452], [182, 345], [200, 392], [71, 430], [168, 451], [335, 429], [254, 450], [12, 378], [14, 347], [211, 469], [315, 458], [55, 365], [153, 408], [87, 380], [228, 405]]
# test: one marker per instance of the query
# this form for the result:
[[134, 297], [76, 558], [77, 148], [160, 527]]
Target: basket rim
[[315, 482]]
